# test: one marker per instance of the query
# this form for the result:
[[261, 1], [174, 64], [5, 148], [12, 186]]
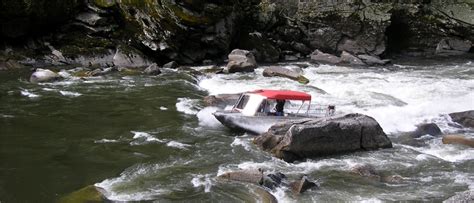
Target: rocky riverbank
[[135, 33]]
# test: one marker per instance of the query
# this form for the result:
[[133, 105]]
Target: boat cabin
[[271, 102]]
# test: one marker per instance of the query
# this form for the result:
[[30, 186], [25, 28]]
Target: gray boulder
[[321, 57], [171, 65], [241, 61], [426, 129], [283, 72], [310, 138], [373, 60], [347, 58], [248, 176], [129, 57], [43, 75], [464, 197], [465, 118], [453, 46], [153, 69]]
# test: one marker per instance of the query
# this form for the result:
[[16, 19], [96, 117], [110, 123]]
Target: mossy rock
[[104, 3], [88, 194]]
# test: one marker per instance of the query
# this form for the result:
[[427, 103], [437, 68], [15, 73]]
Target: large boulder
[[284, 72], [325, 58], [241, 61], [465, 118], [310, 138], [43, 75]]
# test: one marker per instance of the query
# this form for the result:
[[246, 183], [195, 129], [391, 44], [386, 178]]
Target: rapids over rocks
[[139, 138]]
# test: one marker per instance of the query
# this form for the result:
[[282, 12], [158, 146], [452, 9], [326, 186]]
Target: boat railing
[[310, 110]]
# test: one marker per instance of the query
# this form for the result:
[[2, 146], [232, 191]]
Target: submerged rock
[[153, 69], [248, 176], [365, 170], [269, 181], [464, 197], [283, 72], [43, 75], [302, 185], [465, 118], [86, 194], [458, 139], [310, 138], [426, 129], [241, 61]]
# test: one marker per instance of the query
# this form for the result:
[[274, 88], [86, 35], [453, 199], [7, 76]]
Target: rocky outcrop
[[284, 72], [241, 61], [426, 129], [189, 32], [465, 118], [458, 139], [43, 75], [308, 138], [300, 186]]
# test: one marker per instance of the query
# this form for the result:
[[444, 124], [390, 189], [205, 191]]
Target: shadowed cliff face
[[190, 31], [25, 17]]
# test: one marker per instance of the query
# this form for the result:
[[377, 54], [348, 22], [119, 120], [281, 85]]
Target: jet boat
[[256, 111]]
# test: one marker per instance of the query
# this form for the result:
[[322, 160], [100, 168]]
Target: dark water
[[149, 138]]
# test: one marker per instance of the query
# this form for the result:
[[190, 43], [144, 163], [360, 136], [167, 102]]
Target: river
[[150, 138]]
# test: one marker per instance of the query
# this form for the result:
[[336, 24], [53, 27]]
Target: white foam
[[206, 118], [126, 186], [69, 93], [29, 94], [140, 138], [102, 141], [163, 108], [241, 142], [201, 180], [187, 106], [451, 153], [178, 145]]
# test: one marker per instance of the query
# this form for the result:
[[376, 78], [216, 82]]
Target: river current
[[144, 138]]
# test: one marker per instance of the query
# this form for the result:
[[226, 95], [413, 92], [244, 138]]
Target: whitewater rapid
[[399, 97]]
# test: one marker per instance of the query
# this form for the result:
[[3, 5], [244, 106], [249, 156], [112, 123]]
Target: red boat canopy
[[283, 94]]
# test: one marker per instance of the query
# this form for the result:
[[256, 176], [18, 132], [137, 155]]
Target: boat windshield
[[242, 102]]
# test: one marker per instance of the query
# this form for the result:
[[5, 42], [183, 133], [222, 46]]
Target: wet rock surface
[[241, 61], [465, 118], [269, 181], [319, 137], [284, 72]]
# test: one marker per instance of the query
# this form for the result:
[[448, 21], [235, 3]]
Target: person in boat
[[279, 107]]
